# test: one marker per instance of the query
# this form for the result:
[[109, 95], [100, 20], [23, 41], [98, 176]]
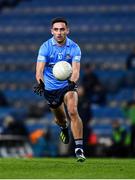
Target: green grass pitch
[[66, 168]]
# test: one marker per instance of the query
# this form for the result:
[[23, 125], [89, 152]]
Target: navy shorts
[[55, 98]]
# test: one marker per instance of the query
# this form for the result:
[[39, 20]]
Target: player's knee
[[72, 111]]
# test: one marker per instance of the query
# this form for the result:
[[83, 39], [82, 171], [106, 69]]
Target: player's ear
[[68, 31], [51, 31]]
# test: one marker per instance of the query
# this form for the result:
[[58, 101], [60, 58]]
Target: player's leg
[[60, 115], [61, 121], [71, 101]]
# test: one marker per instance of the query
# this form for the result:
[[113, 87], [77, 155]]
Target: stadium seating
[[105, 31], [105, 28]]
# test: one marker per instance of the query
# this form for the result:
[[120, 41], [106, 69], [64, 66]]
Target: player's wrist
[[72, 80], [39, 88], [72, 85], [41, 83]]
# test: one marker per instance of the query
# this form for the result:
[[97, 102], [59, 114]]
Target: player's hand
[[39, 89], [72, 85]]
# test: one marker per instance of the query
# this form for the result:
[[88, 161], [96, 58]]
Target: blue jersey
[[51, 53]]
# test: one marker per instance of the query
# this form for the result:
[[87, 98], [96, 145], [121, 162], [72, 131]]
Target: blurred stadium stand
[[105, 31]]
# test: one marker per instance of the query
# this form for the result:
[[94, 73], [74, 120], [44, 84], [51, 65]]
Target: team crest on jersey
[[60, 56], [68, 56]]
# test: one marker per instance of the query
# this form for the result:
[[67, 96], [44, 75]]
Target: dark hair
[[59, 19]]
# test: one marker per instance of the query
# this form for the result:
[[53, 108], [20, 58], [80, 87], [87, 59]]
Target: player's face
[[60, 31]]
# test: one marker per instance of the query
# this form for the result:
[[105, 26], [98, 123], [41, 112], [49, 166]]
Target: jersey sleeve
[[42, 54], [76, 54]]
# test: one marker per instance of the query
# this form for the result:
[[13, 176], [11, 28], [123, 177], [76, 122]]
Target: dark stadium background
[[105, 31]]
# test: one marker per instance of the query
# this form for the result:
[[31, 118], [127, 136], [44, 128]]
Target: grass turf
[[61, 168]]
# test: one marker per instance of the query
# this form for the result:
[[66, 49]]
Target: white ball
[[62, 70]]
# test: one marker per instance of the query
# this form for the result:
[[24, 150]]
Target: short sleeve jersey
[[51, 53]]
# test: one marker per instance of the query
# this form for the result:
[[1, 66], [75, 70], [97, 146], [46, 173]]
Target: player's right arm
[[41, 61], [39, 71]]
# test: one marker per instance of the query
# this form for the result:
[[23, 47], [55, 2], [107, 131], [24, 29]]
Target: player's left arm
[[75, 71], [76, 64]]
